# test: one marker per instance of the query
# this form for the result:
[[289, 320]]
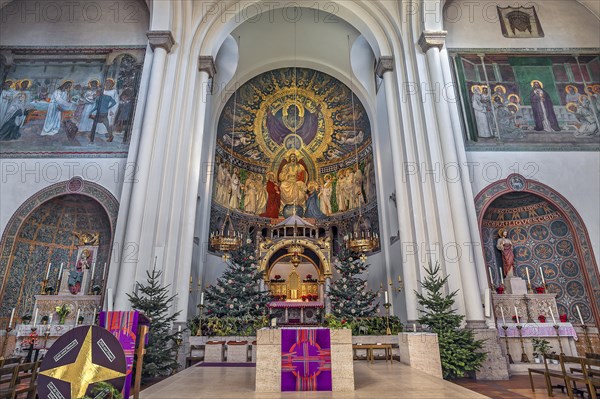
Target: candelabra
[[524, 358], [387, 306], [5, 341], [510, 359], [559, 341], [588, 344], [199, 332]]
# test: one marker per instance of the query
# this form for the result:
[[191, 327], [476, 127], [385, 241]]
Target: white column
[[207, 70], [431, 43], [161, 43], [385, 70]]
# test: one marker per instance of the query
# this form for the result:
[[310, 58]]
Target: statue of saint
[[292, 179], [505, 246], [76, 275]]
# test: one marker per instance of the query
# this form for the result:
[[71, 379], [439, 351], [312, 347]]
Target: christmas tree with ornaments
[[349, 294], [237, 292]]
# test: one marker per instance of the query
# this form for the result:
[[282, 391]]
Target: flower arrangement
[[277, 279], [500, 289], [542, 318], [540, 290], [514, 318], [63, 311], [563, 318], [26, 318], [304, 298], [309, 279]]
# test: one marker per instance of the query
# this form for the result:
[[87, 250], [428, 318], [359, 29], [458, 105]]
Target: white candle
[[35, 314], [527, 271], [414, 327], [48, 271], [94, 317], [491, 276], [179, 329], [501, 277], [517, 315], [103, 269], [502, 311], [579, 313], [60, 273], [386, 296], [542, 274], [77, 317], [552, 314], [50, 319], [12, 316], [93, 269], [202, 298]]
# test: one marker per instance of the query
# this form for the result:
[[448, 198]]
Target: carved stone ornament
[[385, 64], [160, 38], [206, 63], [430, 39]]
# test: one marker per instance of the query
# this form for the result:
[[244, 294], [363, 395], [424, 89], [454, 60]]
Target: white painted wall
[[574, 175], [73, 23], [566, 24], [22, 178]]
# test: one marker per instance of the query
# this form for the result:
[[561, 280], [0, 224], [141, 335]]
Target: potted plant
[[541, 347], [44, 320], [563, 318], [500, 289], [542, 318], [63, 311], [540, 290], [26, 318]]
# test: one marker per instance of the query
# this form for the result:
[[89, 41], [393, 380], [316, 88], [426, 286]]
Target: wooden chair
[[548, 374], [27, 380], [8, 381], [193, 358]]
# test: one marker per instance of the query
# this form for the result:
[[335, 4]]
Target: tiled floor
[[517, 387], [372, 381]]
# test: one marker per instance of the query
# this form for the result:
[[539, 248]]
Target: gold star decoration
[[82, 372]]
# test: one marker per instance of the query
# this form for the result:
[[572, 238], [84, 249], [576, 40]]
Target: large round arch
[[84, 198], [516, 183], [324, 263]]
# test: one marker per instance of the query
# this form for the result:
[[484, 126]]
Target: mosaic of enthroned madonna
[[300, 142]]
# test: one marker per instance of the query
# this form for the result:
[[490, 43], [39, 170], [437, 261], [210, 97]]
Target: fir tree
[[349, 295], [459, 350], [237, 292], [154, 301]]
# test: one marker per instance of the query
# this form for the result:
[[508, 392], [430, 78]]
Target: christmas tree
[[154, 301], [349, 295], [459, 350], [237, 292]]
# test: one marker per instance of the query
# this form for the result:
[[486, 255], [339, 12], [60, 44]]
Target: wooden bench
[[192, 358], [547, 373], [370, 349]]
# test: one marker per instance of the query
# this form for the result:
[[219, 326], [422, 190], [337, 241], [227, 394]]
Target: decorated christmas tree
[[349, 295], [237, 292], [460, 352], [154, 301]]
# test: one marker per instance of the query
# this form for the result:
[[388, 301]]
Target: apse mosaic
[[524, 99], [542, 243], [62, 105], [49, 235], [300, 143]]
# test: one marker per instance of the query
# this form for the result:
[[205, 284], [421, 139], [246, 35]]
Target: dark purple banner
[[305, 360]]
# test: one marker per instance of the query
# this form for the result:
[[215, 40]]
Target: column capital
[[206, 63], [160, 38], [430, 39], [385, 64]]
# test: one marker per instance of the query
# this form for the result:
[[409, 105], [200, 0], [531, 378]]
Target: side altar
[[304, 359]]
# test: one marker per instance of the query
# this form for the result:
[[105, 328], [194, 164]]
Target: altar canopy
[[306, 360]]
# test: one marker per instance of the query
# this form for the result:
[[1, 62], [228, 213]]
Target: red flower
[[542, 318], [500, 289], [514, 318], [540, 290], [304, 297], [277, 277], [563, 318], [309, 276]]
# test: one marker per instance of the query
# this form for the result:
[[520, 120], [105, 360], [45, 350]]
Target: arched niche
[[548, 232], [276, 251], [42, 231]]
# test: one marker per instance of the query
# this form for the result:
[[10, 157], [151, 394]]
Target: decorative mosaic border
[[585, 255], [76, 185]]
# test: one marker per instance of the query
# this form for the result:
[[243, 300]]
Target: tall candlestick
[[35, 314], [77, 317], [12, 316], [48, 271], [552, 314], [60, 272], [93, 269], [542, 274], [386, 296], [202, 298], [501, 277], [517, 315], [491, 276], [527, 271], [579, 313], [502, 311]]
